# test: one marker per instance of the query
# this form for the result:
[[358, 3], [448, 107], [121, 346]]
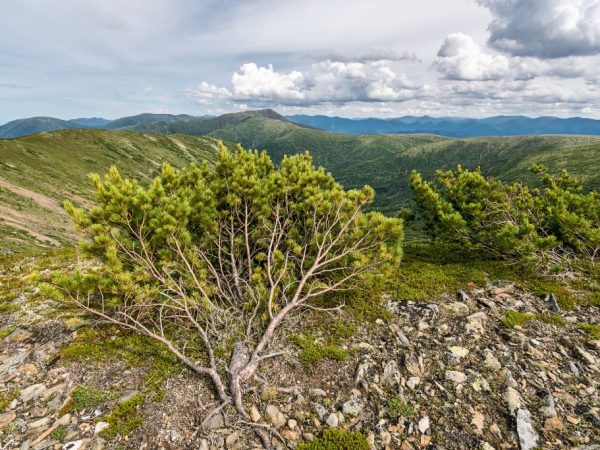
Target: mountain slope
[[25, 127], [385, 161], [454, 127], [38, 172]]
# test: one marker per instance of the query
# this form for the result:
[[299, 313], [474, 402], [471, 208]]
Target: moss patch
[[592, 330], [337, 440], [312, 352], [515, 318], [397, 407], [124, 419]]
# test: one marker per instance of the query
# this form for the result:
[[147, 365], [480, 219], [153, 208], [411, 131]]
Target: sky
[[351, 58]]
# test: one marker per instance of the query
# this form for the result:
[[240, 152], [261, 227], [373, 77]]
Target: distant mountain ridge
[[200, 125], [454, 126]]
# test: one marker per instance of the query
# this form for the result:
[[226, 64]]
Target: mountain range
[[38, 172], [443, 126]]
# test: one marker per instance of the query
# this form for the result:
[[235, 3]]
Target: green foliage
[[59, 433], [233, 244], [84, 397], [6, 331], [397, 407], [515, 318], [7, 397], [124, 419], [334, 439], [592, 330], [313, 352], [554, 227]]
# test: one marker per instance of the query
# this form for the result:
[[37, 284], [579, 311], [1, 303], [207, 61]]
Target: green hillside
[[38, 172], [385, 161]]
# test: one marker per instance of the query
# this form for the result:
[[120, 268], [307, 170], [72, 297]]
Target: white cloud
[[545, 28], [253, 82], [324, 82], [461, 58]]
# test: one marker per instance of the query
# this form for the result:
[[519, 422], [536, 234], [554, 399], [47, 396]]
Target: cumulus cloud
[[545, 28], [324, 82], [461, 58]]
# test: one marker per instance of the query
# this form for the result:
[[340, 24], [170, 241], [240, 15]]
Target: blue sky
[[354, 58]]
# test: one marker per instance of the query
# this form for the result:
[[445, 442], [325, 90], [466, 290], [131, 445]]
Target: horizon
[[309, 115], [462, 58]]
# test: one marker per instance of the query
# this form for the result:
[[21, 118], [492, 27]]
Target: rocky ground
[[453, 373]]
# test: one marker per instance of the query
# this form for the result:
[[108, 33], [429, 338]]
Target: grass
[[334, 439], [514, 319], [7, 397], [6, 331], [124, 419], [59, 433], [312, 352], [397, 407], [592, 330]]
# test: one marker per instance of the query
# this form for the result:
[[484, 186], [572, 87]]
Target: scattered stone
[[6, 419], [291, 435], [513, 399], [292, 424], [316, 392], [332, 420], [458, 352], [551, 300], [32, 392], [455, 376], [478, 420], [391, 374], [100, 427], [423, 424], [232, 438], [215, 422], [128, 395], [528, 437], [320, 411], [275, 416], [457, 308], [413, 382], [352, 407], [462, 296], [413, 365], [254, 414], [491, 362], [586, 356], [550, 409], [553, 424]]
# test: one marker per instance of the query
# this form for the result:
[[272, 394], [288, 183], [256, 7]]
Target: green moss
[[397, 407], [6, 331], [124, 419], [334, 439], [7, 308], [59, 433], [7, 397], [515, 318], [84, 397], [592, 330], [313, 353]]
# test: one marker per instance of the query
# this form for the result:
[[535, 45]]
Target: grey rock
[[216, 421], [275, 416], [13, 361], [391, 374], [455, 376], [550, 409], [551, 300], [127, 395], [513, 400], [332, 420], [352, 407], [423, 424], [528, 437], [462, 296], [32, 392], [320, 411]]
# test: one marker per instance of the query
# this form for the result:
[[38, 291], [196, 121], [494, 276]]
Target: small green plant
[[84, 397], [7, 308], [6, 331], [313, 353], [7, 397], [397, 407], [334, 439], [514, 319], [59, 433], [124, 419], [592, 330]]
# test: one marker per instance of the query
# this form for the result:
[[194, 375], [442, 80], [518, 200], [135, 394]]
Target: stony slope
[[448, 372]]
